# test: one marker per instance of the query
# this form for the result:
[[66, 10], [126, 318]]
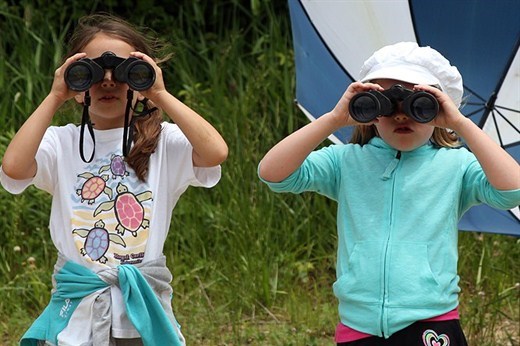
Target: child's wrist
[[160, 97], [460, 124], [337, 120], [55, 100]]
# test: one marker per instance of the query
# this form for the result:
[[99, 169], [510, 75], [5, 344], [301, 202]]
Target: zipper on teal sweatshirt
[[389, 173]]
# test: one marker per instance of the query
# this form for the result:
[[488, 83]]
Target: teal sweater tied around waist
[[74, 282]]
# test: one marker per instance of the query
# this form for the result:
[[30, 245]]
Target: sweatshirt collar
[[391, 166], [378, 142]]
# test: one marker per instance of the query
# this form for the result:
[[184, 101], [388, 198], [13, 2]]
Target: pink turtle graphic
[[93, 187], [128, 210], [97, 241], [117, 166]]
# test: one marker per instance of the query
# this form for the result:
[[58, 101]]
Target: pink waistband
[[346, 334]]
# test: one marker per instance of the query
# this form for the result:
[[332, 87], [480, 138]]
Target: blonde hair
[[441, 137]]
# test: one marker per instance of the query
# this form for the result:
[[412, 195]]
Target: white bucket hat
[[407, 62]]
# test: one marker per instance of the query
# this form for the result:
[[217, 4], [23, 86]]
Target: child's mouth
[[108, 98], [403, 130]]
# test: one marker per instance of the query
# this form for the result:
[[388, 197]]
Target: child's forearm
[[19, 158], [209, 148], [502, 171], [286, 156]]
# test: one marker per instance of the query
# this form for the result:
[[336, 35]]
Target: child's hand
[[157, 87], [59, 88], [341, 111], [449, 115]]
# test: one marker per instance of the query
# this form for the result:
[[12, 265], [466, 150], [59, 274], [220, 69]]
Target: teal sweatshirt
[[397, 229], [74, 282]]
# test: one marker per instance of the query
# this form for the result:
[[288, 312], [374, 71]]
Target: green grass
[[250, 266]]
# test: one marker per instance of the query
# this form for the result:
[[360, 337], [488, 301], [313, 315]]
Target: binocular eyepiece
[[81, 74], [421, 106]]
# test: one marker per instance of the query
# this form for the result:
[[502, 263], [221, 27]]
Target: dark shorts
[[441, 333]]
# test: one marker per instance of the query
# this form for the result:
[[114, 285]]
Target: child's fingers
[[439, 94], [358, 87], [73, 59], [60, 71], [144, 57]]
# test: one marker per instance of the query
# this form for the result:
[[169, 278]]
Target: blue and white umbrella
[[332, 39]]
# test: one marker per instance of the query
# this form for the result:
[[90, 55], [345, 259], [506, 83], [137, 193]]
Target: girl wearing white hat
[[401, 185]]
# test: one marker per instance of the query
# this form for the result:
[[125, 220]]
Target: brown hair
[[440, 137], [147, 129]]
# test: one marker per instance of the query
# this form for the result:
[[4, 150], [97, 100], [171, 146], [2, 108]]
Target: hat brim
[[412, 74]]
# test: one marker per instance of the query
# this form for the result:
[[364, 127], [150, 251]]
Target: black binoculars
[[138, 74], [421, 106]]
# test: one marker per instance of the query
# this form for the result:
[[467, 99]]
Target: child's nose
[[108, 80], [399, 114], [400, 117]]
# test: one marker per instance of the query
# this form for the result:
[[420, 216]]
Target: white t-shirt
[[102, 214]]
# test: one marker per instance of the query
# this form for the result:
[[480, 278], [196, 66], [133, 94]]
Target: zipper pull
[[391, 166]]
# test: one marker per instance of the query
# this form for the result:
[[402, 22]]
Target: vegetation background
[[250, 267]]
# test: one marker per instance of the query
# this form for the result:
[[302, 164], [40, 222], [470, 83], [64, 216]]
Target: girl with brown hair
[[111, 213]]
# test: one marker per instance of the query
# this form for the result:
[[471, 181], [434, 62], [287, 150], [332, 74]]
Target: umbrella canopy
[[332, 39]]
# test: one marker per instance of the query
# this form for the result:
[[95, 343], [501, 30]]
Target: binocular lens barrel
[[140, 76], [424, 108], [364, 107], [78, 77]]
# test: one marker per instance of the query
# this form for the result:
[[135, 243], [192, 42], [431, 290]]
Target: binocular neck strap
[[85, 121], [128, 131]]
